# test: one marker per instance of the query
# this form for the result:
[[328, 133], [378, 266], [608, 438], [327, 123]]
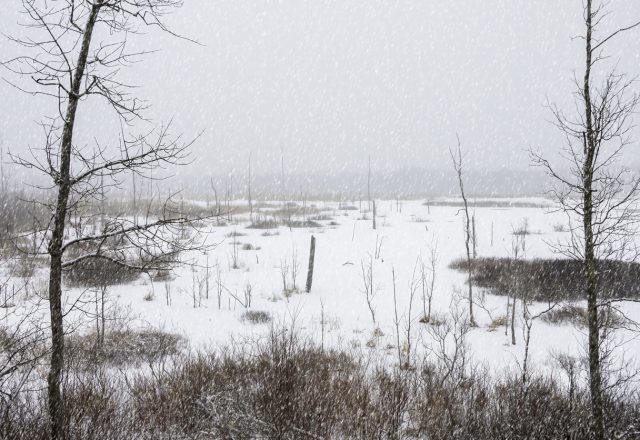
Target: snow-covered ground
[[336, 310]]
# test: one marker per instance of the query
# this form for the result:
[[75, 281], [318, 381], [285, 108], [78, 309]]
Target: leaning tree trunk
[[595, 372], [55, 248]]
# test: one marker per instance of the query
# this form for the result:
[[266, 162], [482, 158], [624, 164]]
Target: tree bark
[[55, 400], [591, 285], [312, 255], [374, 214]]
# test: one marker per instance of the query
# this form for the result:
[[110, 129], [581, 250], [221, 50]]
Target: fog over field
[[329, 83], [319, 219]]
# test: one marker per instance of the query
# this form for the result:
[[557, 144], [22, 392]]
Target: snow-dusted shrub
[[284, 387], [94, 272], [256, 317], [123, 347]]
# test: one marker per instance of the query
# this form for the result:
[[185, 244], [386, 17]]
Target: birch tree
[[597, 192], [73, 51]]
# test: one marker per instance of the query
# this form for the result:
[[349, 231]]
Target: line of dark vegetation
[[552, 280], [489, 203], [287, 388]]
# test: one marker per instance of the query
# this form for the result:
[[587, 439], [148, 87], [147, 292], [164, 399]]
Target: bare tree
[[3, 175], [597, 192], [369, 184], [373, 214], [413, 287], [449, 345], [295, 268], [249, 191], [428, 282], [528, 321], [456, 158], [517, 247], [74, 51], [369, 288], [284, 274], [234, 250], [218, 211], [396, 317]]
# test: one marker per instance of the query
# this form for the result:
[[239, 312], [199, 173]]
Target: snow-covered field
[[336, 310]]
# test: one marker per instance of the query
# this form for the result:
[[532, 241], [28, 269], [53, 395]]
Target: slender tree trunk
[[369, 184], [55, 401], [467, 244], [312, 254], [595, 373], [513, 320], [249, 192], [374, 215], [457, 164]]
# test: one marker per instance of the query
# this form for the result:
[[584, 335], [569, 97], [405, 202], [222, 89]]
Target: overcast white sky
[[332, 81]]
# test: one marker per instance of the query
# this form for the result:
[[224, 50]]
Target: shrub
[[283, 387], [498, 322], [575, 315], [256, 317], [95, 272], [264, 224], [23, 267], [551, 280], [123, 347]]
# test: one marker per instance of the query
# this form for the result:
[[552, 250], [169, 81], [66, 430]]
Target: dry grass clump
[[23, 267], [124, 347], [303, 224], [321, 218], [161, 275], [436, 319], [498, 322], [256, 317], [94, 272], [264, 224], [577, 316]]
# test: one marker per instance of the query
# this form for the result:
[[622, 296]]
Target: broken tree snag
[[374, 214], [312, 253]]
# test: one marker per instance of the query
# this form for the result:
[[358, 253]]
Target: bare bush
[[123, 347], [96, 272], [256, 317], [369, 288], [285, 387]]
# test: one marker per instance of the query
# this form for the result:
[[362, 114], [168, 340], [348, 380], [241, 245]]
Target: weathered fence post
[[312, 253], [374, 214]]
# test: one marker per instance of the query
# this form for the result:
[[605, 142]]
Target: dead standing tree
[[456, 158], [74, 52], [598, 194]]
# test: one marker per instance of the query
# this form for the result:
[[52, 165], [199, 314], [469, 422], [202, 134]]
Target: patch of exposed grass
[[264, 224], [577, 316]]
